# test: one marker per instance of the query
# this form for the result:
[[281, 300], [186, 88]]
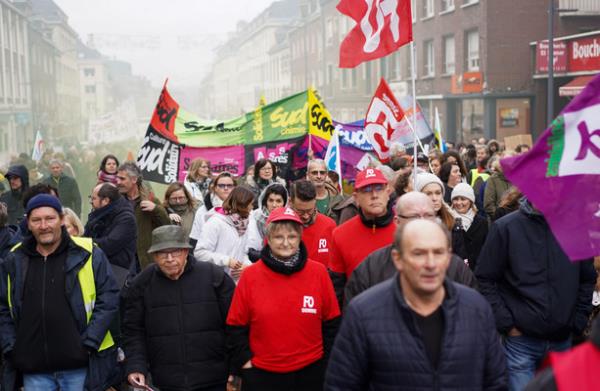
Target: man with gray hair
[[149, 214], [70, 197], [327, 196]]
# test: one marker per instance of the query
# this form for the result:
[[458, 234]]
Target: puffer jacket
[[176, 328], [101, 365], [378, 267], [529, 280], [380, 347]]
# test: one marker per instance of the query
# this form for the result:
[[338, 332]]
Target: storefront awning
[[575, 86]]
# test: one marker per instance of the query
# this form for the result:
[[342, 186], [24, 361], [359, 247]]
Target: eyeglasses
[[426, 216], [306, 212], [164, 255], [317, 172], [225, 186], [266, 168], [178, 199], [378, 187]]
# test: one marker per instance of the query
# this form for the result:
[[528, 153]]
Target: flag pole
[[414, 96]]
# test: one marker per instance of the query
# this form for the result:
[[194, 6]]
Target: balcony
[[584, 7]]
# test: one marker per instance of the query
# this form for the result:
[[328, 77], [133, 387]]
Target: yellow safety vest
[[85, 275], [476, 174]]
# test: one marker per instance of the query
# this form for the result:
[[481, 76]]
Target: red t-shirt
[[285, 314], [317, 239], [353, 241]]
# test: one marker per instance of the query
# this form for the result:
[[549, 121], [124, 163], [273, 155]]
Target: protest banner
[[230, 159], [159, 158]]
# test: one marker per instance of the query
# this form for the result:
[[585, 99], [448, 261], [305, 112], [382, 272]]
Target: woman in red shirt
[[284, 314]]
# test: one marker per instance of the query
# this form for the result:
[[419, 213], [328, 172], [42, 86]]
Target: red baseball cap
[[284, 213], [369, 176]]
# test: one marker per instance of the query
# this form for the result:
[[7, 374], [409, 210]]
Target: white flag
[[38, 147], [332, 156]]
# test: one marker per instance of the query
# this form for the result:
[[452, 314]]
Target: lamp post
[[552, 10]]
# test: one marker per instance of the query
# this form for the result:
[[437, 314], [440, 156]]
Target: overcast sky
[[172, 21]]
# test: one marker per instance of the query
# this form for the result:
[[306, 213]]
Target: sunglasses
[[225, 185], [372, 188]]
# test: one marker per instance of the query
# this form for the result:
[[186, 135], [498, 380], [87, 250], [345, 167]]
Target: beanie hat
[[42, 200], [463, 190], [426, 178]]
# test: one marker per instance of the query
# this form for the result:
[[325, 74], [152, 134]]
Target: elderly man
[[379, 265], [316, 172], [372, 229], [57, 299], [110, 224], [149, 214], [67, 187], [418, 330], [175, 312]]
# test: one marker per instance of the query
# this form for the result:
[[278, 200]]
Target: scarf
[[284, 266], [179, 209], [106, 177], [239, 223], [466, 219]]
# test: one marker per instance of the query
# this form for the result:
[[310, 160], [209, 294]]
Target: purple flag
[[560, 175]]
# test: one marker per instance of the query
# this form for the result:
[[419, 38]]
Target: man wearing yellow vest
[[57, 299]]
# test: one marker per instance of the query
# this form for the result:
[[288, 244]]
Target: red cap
[[369, 176], [284, 213]]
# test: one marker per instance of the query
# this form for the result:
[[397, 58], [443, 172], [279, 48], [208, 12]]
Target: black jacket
[[529, 280], [378, 267], [68, 191], [114, 230], [9, 236], [473, 240], [176, 329], [380, 347], [14, 198]]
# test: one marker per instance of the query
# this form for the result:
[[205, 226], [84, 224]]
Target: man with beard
[[18, 178], [111, 224], [318, 228], [149, 214]]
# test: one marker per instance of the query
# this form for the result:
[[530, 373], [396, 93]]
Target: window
[[427, 9], [88, 72], [428, 63], [473, 50], [467, 3], [90, 89], [449, 60], [447, 5]]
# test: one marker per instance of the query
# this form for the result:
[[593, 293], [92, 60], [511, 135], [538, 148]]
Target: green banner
[[281, 120]]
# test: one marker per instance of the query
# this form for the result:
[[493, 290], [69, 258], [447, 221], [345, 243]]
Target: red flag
[[383, 117], [382, 26]]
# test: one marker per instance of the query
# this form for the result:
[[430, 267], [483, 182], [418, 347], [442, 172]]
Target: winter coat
[[187, 218], [496, 186], [378, 267], [380, 347], [175, 329], [113, 229], [257, 226], [101, 365], [203, 214], [9, 236], [68, 191], [14, 199], [220, 241], [198, 190], [258, 188], [342, 209], [529, 280], [146, 222], [474, 238]]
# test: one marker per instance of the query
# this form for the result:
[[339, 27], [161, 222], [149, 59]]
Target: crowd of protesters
[[439, 277]]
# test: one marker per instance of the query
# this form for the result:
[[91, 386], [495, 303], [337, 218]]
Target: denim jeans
[[523, 356], [71, 380]]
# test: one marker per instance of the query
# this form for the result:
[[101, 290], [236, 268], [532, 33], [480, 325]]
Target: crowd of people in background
[[439, 277]]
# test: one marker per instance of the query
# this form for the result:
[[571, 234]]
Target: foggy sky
[[204, 23]]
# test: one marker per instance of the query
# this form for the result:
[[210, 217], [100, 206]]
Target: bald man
[[418, 330], [379, 266]]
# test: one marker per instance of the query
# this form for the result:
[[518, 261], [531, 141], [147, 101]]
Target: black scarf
[[278, 266], [378, 222]]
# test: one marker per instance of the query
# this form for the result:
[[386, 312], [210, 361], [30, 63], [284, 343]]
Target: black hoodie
[[13, 198]]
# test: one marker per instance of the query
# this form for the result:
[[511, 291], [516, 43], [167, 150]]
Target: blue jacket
[[102, 364], [380, 347], [529, 280]]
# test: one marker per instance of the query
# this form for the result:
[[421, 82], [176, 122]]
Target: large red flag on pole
[[382, 26]]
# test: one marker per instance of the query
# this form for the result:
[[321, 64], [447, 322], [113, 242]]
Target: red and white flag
[[383, 117], [382, 26]]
